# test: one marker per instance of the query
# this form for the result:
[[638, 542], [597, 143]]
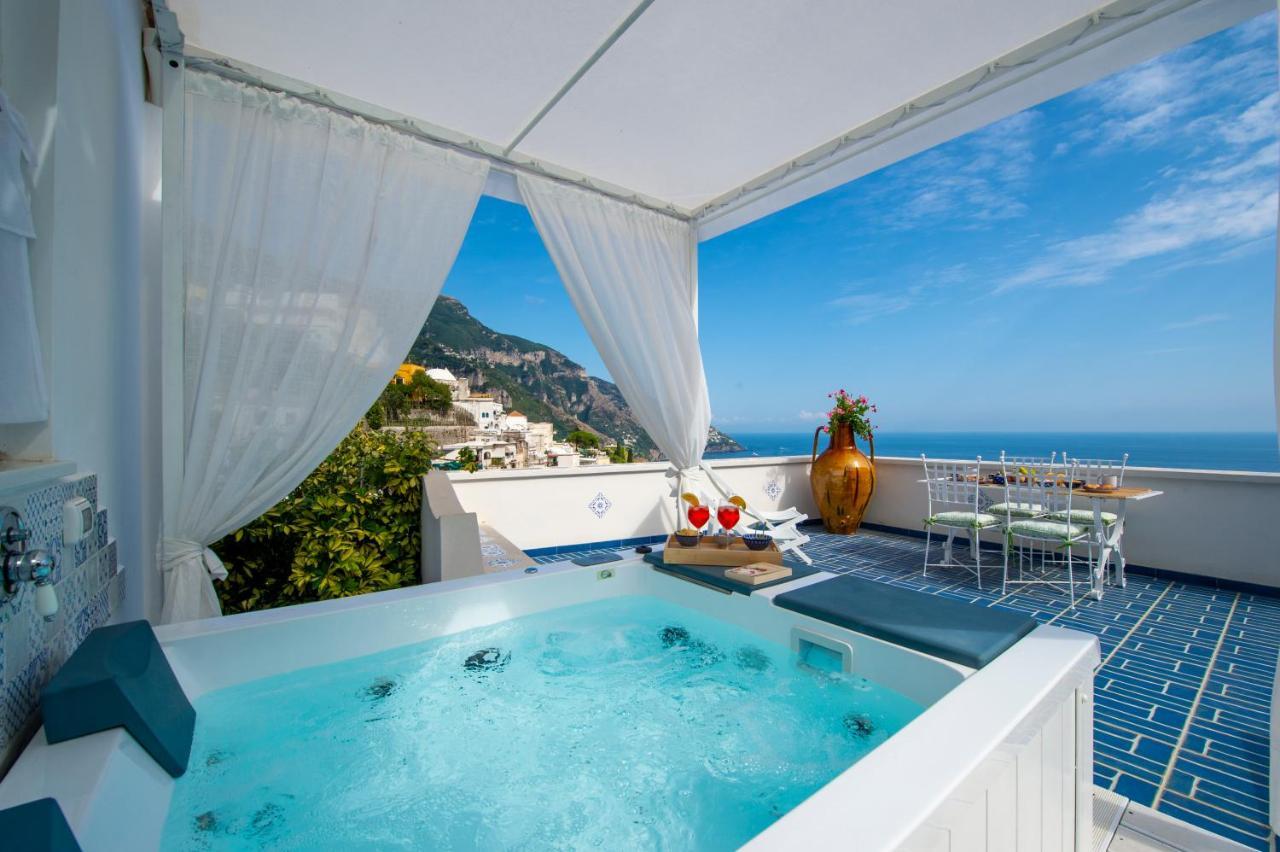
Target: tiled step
[[1120, 825]]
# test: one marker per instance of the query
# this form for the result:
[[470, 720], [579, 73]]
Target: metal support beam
[[578, 75]]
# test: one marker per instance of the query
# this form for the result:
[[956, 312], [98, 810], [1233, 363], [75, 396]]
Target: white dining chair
[[1095, 472], [1044, 544], [1033, 467], [956, 504]]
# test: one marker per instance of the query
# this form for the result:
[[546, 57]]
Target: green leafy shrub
[[353, 526], [583, 440]]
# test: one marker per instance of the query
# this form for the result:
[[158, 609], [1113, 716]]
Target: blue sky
[[1102, 262]]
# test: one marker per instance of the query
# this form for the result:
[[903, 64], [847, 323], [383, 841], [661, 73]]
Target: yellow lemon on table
[[690, 498], [738, 501]]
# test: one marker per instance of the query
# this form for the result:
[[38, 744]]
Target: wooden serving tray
[[710, 553]]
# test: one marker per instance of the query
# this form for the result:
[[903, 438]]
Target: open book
[[757, 573]]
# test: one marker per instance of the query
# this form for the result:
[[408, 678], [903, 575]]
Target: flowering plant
[[852, 410]]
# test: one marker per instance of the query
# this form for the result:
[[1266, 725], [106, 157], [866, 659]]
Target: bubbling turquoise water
[[629, 723]]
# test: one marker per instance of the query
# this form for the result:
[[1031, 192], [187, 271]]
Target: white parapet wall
[[1209, 523]]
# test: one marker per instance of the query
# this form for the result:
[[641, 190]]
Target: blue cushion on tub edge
[[119, 677], [37, 826], [963, 633]]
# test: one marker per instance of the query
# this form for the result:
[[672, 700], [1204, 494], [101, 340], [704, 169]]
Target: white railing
[[1209, 523]]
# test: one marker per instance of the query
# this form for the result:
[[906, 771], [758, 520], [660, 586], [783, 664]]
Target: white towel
[[24, 397]]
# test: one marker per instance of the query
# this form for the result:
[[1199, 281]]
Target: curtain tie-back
[[179, 551]]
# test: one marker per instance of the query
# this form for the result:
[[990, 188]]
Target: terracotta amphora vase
[[843, 480]]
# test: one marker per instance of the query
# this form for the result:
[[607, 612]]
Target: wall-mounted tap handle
[[46, 601], [32, 566], [13, 535]]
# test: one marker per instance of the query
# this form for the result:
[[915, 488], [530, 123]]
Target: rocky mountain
[[533, 378]]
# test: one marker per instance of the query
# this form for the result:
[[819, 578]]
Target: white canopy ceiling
[[723, 110]]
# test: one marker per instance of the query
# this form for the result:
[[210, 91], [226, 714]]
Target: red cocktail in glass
[[728, 515], [698, 516]]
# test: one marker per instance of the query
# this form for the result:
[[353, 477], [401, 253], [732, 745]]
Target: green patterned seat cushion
[[1047, 530], [1017, 510], [979, 520], [1084, 516]]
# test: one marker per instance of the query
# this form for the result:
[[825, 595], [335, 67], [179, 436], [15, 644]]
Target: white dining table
[[1111, 536]]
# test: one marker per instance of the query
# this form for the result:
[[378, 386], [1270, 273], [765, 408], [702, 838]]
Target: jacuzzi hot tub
[[613, 704]]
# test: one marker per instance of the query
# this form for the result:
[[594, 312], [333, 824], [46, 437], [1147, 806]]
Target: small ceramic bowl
[[756, 541], [684, 539]]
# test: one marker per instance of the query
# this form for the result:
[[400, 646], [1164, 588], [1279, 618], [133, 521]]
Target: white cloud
[[870, 300], [1194, 217], [1193, 322], [970, 183], [862, 307], [1190, 217], [1256, 124], [1147, 104]]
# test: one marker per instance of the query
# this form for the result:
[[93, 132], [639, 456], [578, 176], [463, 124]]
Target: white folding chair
[[955, 504]]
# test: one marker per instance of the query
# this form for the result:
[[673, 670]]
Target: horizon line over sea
[[1244, 451]]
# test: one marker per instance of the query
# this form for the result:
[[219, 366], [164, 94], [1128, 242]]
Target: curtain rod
[[232, 70]]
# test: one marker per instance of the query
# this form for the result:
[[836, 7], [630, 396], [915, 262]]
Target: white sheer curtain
[[631, 274], [315, 245], [24, 396]]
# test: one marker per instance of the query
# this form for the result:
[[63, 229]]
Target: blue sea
[[1257, 451]]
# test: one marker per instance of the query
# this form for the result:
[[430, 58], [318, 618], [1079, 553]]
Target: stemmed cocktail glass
[[698, 516], [728, 514]]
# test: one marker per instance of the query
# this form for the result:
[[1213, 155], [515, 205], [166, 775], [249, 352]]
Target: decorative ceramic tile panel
[[90, 589], [772, 489], [600, 505]]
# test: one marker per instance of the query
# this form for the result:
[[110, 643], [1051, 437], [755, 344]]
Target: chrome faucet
[[20, 565]]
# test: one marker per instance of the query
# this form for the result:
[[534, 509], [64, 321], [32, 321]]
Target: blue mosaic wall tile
[[89, 591]]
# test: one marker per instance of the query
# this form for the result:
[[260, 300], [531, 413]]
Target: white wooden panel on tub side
[[1025, 798]]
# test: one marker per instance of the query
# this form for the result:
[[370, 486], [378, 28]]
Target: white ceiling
[[480, 67], [704, 96], [695, 99]]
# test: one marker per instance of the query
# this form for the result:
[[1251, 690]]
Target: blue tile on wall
[[31, 649]]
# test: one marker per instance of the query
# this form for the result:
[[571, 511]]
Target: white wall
[[547, 507], [1210, 523], [74, 69]]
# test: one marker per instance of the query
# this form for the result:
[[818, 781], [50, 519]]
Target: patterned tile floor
[[1183, 693]]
